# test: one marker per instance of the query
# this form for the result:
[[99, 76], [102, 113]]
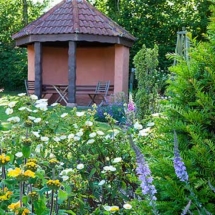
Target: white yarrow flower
[[88, 123], [37, 120], [127, 206], [19, 154], [21, 94], [42, 106], [156, 114], [76, 138], [54, 104], [38, 148], [29, 110], [109, 168], [65, 177], [63, 137], [150, 124], [9, 111], [92, 135], [117, 160], [71, 136], [34, 97], [14, 119], [66, 171], [80, 166], [90, 141], [80, 133], [36, 133], [102, 182], [22, 108], [144, 132], [138, 126], [44, 139], [51, 155], [31, 117], [100, 133], [80, 113], [63, 115], [11, 104], [56, 139]]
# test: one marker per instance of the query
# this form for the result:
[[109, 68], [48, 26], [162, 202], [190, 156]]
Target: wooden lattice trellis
[[182, 45]]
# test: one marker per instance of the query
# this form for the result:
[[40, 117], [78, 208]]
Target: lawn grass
[[9, 95]]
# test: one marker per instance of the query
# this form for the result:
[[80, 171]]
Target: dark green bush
[[13, 67], [190, 112], [116, 110]]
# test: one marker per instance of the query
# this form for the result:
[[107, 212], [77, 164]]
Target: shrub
[[189, 112], [146, 74], [114, 107]]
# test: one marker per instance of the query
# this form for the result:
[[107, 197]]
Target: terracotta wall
[[93, 64], [121, 69], [55, 65], [31, 74]]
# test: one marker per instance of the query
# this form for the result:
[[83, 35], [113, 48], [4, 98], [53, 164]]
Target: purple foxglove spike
[[180, 168], [144, 173]]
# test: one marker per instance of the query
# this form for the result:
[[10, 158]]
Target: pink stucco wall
[[93, 64], [31, 74], [121, 69], [55, 65]]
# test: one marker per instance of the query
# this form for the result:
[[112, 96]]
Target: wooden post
[[72, 73], [38, 69]]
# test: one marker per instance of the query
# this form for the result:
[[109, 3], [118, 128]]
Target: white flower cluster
[[41, 104], [108, 168], [14, 119]]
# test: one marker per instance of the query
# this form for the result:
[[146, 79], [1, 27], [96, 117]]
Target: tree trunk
[[25, 12]]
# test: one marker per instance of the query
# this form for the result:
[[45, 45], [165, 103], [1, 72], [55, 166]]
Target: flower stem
[[3, 176], [52, 202], [21, 193]]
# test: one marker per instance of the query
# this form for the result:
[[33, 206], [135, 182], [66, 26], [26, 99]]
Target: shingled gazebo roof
[[73, 20]]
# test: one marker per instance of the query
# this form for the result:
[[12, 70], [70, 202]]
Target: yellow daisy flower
[[14, 172]]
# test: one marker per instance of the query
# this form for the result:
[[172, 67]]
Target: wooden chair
[[101, 93], [29, 87]]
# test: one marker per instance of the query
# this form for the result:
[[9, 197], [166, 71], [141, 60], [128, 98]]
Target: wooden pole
[[38, 69], [72, 73]]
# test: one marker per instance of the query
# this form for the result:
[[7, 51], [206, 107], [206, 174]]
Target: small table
[[62, 91]]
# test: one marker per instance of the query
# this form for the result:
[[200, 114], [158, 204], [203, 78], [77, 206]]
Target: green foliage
[[114, 107], [13, 67], [146, 62], [95, 167], [190, 112], [158, 21], [13, 61]]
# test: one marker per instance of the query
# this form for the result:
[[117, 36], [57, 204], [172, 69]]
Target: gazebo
[[75, 44]]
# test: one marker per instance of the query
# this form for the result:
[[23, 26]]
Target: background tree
[[14, 14], [189, 112], [157, 22], [146, 61]]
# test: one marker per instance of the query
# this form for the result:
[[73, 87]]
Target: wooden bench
[[48, 90]]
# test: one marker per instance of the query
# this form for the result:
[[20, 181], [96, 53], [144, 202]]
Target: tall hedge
[[190, 112]]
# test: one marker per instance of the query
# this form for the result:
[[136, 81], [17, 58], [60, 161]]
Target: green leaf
[[43, 190], [92, 173], [62, 196], [26, 151], [40, 207], [71, 212], [25, 199]]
